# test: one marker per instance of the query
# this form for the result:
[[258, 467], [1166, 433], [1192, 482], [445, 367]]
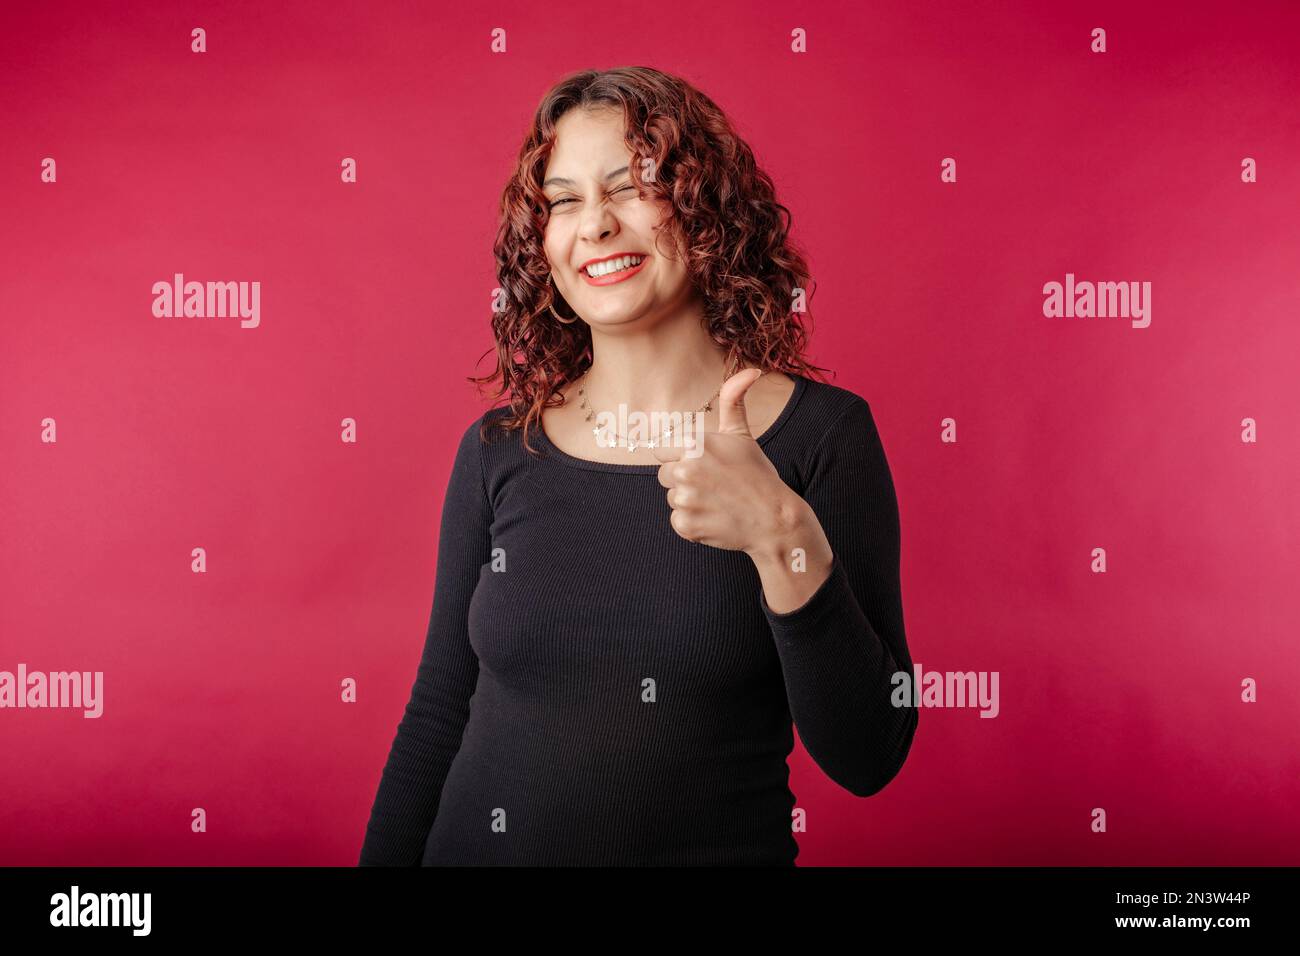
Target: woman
[[626, 620]]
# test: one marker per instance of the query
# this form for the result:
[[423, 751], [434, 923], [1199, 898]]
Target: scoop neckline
[[587, 464]]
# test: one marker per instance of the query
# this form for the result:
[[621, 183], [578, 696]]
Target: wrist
[[791, 525]]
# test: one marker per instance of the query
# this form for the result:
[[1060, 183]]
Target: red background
[[1118, 690]]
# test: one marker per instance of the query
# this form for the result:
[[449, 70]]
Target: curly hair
[[725, 220]]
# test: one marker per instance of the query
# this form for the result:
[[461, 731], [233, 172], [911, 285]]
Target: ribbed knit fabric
[[612, 694]]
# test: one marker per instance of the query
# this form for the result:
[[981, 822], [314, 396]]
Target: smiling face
[[596, 214]]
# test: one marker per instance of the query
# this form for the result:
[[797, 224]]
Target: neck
[[671, 366]]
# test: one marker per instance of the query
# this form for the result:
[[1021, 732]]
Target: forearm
[[839, 671], [838, 624]]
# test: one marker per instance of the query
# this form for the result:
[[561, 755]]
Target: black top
[[597, 690]]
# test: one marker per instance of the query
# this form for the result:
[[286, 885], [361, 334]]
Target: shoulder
[[476, 437], [495, 452], [843, 455], [832, 433], [827, 413], [826, 430], [482, 430]]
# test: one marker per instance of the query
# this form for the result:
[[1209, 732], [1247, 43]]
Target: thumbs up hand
[[729, 495]]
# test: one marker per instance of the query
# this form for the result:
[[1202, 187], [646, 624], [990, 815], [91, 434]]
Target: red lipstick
[[613, 277]]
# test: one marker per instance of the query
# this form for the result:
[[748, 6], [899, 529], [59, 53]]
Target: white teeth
[[613, 265]]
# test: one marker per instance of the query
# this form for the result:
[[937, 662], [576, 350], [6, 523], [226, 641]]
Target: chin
[[614, 317]]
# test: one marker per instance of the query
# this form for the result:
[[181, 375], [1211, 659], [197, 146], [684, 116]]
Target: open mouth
[[613, 270]]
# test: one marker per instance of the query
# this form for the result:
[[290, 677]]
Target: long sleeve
[[429, 734], [840, 650]]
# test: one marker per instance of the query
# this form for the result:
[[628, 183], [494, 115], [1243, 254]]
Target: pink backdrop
[[1119, 690]]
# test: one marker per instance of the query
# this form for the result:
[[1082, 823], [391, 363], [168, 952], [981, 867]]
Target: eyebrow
[[560, 180]]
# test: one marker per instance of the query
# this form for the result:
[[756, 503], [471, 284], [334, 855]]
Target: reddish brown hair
[[725, 220]]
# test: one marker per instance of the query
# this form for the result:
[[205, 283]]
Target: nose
[[597, 223]]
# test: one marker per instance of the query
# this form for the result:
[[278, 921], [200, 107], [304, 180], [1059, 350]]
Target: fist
[[726, 494]]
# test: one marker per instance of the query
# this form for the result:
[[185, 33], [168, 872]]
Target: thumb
[[732, 419]]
